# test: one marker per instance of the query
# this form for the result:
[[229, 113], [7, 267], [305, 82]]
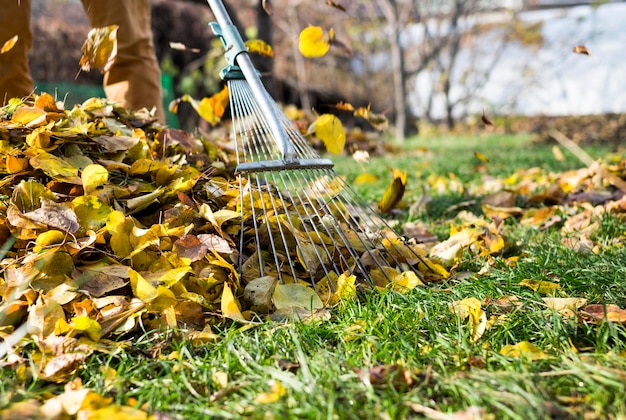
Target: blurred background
[[421, 63]]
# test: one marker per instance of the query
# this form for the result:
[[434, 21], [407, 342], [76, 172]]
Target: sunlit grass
[[425, 349]]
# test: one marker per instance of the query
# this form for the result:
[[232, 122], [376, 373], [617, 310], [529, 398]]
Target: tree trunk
[[390, 9]]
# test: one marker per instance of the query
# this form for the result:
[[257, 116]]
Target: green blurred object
[[75, 93]]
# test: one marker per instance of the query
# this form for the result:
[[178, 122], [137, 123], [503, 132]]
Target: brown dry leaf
[[336, 6], [179, 46], [605, 312], [100, 48], [486, 120], [581, 49], [54, 215], [394, 375]]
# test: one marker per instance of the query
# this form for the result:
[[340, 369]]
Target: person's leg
[[134, 80], [15, 80]]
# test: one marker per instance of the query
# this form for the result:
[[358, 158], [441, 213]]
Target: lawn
[[513, 332]]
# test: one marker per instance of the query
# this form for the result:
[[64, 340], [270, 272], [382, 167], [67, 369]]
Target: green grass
[[322, 365]]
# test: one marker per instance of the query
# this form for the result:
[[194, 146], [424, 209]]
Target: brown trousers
[[134, 80]]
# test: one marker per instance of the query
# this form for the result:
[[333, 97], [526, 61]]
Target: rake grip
[[237, 54]]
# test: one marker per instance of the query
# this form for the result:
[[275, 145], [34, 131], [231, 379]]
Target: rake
[[301, 221]]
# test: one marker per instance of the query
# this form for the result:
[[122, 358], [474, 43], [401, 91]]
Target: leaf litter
[[115, 223]]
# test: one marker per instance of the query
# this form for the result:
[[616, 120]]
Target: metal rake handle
[[237, 53]]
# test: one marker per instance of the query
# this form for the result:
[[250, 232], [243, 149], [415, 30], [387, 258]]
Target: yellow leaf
[[296, 295], [210, 108], [53, 166], [141, 288], [92, 213], [260, 47], [364, 179], [481, 157], [313, 42], [378, 121], [408, 280], [9, 44], [346, 289], [470, 308], [523, 349], [329, 129], [540, 286], [88, 326], [120, 228], [394, 192], [93, 176], [229, 304], [29, 116], [99, 49], [16, 164], [278, 391]]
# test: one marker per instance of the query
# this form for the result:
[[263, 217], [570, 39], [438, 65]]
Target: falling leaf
[[581, 49], [100, 48], [523, 349], [210, 108], [378, 121], [361, 156], [336, 5], [182, 47], [266, 7], [329, 129], [558, 155], [8, 45], [470, 309], [481, 157], [394, 192], [486, 120], [313, 42], [344, 106], [259, 46]]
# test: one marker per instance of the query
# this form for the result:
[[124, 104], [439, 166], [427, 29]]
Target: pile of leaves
[[113, 224]]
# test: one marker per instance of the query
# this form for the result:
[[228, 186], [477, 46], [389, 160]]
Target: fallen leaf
[[229, 304], [470, 309], [523, 349], [605, 312], [541, 286]]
